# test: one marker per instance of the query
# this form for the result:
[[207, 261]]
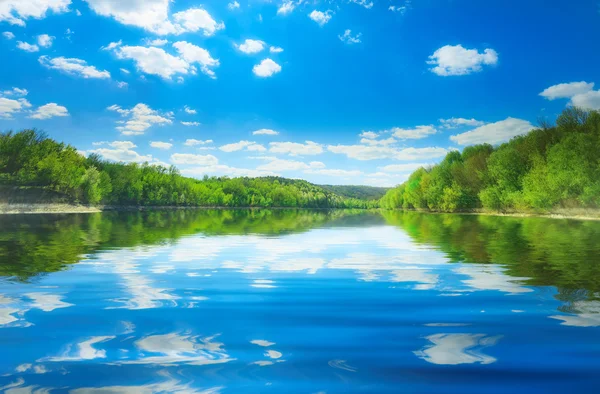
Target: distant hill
[[358, 192]]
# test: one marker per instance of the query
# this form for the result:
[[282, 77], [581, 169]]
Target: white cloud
[[581, 94], [369, 134], [161, 145], [454, 123], [45, 41], [196, 19], [15, 92], [348, 38], [27, 47], [112, 45], [567, 90], [50, 110], [296, 149], [188, 158], [194, 54], [154, 61], [8, 35], [589, 100], [77, 12], [286, 7], [417, 133], [289, 165], [9, 107], [251, 46], [158, 42], [224, 170], [189, 110], [374, 152], [122, 145], [275, 49], [16, 12], [365, 3], [386, 141], [73, 66], [493, 133], [320, 17], [125, 71], [452, 60], [400, 9], [193, 142], [265, 132], [243, 145], [233, 5], [141, 118], [190, 123], [123, 155], [153, 16], [266, 68], [122, 85]]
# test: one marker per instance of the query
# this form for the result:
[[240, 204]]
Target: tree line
[[30, 158], [550, 167]]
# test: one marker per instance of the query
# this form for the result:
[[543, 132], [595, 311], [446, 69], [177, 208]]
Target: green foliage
[[546, 168], [356, 191], [30, 158]]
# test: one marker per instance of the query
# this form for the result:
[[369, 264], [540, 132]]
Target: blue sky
[[342, 92]]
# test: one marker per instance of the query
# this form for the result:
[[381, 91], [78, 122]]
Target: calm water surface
[[298, 302]]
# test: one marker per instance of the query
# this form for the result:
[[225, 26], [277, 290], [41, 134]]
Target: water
[[298, 302]]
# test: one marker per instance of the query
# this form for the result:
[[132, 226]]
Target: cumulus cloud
[[225, 170], [493, 133], [386, 141], [401, 168], [112, 45], [375, 152], [348, 38], [287, 7], [275, 49], [243, 145], [320, 17], [45, 41], [289, 165], [265, 132], [233, 5], [451, 60], [24, 46], [122, 151], [335, 172], [309, 148], [17, 92], [156, 61], [417, 133], [50, 110], [369, 134], [188, 158], [139, 119], [266, 68], [189, 110], [581, 94], [567, 90], [10, 107], [250, 46], [161, 145], [8, 35], [73, 66], [454, 123], [153, 16], [16, 12], [193, 142], [189, 124]]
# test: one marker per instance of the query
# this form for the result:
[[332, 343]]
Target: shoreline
[[62, 208]]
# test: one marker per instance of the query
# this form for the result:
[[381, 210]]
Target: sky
[[331, 91]]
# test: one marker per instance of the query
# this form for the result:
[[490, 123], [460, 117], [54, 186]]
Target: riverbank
[[65, 208]]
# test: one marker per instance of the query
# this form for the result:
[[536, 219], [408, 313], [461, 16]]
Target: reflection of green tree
[[36, 244], [552, 252]]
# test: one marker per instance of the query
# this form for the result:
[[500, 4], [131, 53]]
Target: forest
[[30, 158], [553, 166]]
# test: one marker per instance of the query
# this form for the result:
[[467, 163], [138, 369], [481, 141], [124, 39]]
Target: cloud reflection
[[454, 349]]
